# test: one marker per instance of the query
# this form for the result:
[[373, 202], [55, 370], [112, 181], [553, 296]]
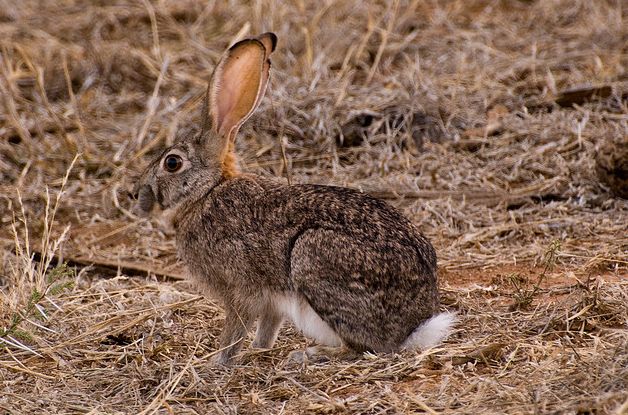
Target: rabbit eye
[[172, 163]]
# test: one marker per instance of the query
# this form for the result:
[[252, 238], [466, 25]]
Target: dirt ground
[[499, 127]]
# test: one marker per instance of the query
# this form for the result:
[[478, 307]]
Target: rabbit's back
[[396, 246], [259, 225]]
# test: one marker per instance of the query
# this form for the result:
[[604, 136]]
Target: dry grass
[[450, 110]]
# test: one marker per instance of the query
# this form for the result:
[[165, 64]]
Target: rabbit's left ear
[[238, 84]]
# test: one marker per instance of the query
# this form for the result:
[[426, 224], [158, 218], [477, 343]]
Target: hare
[[347, 269]]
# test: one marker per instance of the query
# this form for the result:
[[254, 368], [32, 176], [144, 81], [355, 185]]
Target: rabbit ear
[[269, 41], [238, 84]]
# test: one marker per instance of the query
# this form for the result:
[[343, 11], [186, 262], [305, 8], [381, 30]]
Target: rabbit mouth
[[145, 200]]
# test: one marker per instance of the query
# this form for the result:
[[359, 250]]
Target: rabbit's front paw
[[221, 359]]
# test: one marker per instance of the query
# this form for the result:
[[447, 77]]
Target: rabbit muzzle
[[145, 201]]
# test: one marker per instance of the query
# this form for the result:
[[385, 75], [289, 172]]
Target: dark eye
[[172, 163]]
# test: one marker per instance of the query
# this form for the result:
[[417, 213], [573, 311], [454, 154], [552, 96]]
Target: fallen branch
[[117, 266]]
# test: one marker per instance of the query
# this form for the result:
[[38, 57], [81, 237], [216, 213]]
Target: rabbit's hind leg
[[333, 273]]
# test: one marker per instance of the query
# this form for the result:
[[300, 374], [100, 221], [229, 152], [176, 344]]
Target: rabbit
[[349, 270]]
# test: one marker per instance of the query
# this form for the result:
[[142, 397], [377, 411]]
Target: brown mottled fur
[[356, 261]]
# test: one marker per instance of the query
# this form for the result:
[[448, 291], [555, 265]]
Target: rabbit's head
[[195, 164]]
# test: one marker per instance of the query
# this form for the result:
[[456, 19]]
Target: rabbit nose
[[145, 200], [134, 192]]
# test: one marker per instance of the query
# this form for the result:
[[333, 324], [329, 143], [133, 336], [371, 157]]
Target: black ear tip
[[268, 39], [273, 39]]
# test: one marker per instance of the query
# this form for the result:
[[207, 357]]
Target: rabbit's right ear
[[235, 90]]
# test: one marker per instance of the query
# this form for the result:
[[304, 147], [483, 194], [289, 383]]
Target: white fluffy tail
[[430, 332]]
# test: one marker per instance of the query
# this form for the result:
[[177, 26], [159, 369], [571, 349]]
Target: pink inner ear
[[236, 86]]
